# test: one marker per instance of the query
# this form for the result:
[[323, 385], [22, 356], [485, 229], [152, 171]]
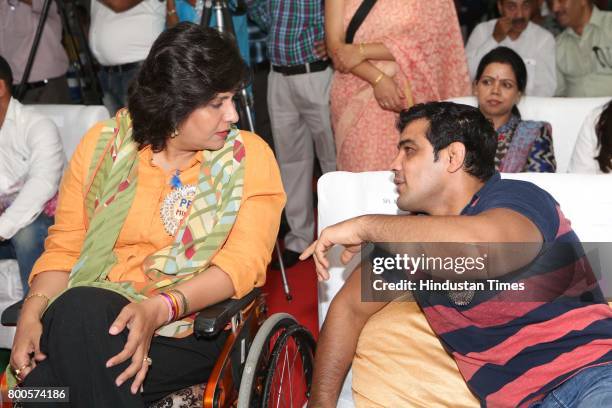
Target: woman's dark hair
[[451, 122], [188, 65], [603, 130], [504, 55]]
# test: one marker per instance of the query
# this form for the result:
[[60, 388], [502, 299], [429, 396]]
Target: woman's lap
[[77, 343]]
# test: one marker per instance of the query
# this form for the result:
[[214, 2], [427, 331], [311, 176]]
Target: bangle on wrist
[[378, 79], [181, 301], [362, 50], [170, 305], [36, 294], [171, 12]]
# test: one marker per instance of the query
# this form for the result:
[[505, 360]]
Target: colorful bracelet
[[180, 299], [177, 304], [169, 303]]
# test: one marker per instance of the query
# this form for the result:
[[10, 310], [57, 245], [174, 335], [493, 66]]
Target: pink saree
[[424, 38]]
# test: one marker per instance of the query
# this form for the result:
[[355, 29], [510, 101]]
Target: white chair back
[[73, 121], [585, 199], [565, 115]]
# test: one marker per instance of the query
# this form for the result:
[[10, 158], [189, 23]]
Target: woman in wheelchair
[[522, 145], [164, 210]]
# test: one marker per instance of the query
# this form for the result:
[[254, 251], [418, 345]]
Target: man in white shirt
[[120, 36], [514, 30], [31, 164]]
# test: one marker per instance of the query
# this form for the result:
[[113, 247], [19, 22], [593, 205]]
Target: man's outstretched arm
[[338, 341]]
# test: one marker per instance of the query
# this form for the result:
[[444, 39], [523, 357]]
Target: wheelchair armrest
[[10, 315], [208, 322], [213, 319]]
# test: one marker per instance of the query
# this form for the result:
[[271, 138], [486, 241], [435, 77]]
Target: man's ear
[[499, 7], [4, 88], [456, 156]]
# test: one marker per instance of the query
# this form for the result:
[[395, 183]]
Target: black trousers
[[77, 344]]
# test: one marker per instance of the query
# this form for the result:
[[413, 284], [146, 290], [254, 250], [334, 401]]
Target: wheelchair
[[265, 361]]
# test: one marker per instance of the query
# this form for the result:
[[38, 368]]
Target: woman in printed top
[[522, 145], [164, 210]]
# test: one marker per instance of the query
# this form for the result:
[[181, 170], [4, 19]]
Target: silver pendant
[[175, 207]]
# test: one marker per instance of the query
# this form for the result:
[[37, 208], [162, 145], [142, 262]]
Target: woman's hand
[[141, 319], [346, 57], [26, 347], [388, 95]]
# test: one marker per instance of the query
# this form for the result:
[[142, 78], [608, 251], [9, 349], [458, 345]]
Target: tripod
[[243, 101], [85, 67], [224, 24]]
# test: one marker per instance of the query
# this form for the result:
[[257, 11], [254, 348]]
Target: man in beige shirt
[[584, 49]]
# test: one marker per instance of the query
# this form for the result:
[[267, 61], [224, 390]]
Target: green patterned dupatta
[[109, 193]]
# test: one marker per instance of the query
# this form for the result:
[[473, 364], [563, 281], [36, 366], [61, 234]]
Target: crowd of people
[[168, 198]]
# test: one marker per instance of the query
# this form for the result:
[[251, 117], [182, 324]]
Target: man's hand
[[502, 28], [320, 50], [347, 233], [2, 238]]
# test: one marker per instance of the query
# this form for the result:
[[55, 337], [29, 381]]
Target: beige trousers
[[301, 128]]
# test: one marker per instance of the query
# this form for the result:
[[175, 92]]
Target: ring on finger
[[148, 360], [18, 371]]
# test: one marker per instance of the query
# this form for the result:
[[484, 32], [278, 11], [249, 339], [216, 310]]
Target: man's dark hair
[[6, 74], [451, 122], [188, 65]]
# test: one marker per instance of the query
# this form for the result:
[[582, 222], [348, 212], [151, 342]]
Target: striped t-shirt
[[512, 351]]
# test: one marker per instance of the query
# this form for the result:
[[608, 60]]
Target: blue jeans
[[115, 87], [26, 246], [591, 388]]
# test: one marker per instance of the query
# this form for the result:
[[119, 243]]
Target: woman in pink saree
[[404, 52]]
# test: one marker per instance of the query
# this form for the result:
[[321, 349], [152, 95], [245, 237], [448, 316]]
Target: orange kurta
[[245, 254]]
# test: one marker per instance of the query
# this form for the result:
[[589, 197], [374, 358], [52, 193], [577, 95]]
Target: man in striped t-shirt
[[549, 345]]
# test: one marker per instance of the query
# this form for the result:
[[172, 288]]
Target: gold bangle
[[37, 294], [377, 80], [171, 12]]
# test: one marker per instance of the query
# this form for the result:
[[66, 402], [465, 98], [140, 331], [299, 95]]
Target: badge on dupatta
[[176, 204]]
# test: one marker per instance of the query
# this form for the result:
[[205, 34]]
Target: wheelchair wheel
[[254, 376], [289, 376]]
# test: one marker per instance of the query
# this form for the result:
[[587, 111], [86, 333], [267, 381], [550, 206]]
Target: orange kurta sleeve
[[248, 248], [63, 245]]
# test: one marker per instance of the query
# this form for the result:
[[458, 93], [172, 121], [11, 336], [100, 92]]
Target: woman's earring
[[174, 134]]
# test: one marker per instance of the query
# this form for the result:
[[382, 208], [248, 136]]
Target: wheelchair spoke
[[286, 378]]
